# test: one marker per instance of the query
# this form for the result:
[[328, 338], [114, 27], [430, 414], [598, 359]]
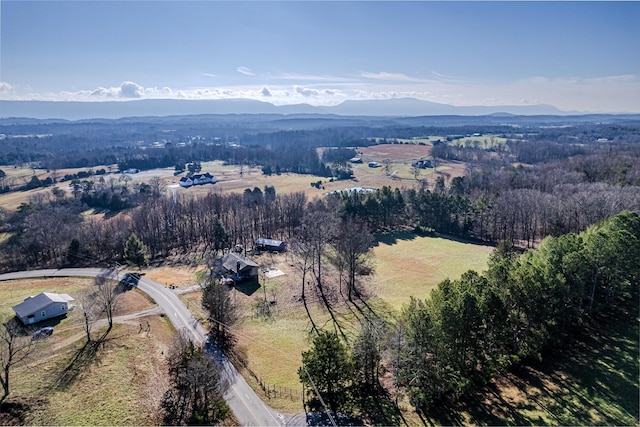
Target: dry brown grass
[[178, 276], [230, 178], [121, 385]]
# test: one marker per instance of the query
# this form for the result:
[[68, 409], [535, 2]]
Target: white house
[[42, 306], [198, 179], [186, 182]]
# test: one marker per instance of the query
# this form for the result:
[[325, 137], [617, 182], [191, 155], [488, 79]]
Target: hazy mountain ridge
[[400, 107]]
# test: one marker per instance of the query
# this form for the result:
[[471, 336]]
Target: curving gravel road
[[248, 408]]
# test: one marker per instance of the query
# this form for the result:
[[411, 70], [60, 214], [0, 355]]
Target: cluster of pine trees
[[476, 327]]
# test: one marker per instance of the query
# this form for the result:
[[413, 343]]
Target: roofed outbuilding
[[42, 306], [270, 245]]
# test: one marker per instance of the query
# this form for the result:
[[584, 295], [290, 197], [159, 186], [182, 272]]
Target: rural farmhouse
[[42, 306], [198, 179], [239, 267]]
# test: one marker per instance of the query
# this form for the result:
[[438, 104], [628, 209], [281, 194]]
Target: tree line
[[476, 327]]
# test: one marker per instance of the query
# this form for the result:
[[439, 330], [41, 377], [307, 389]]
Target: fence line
[[273, 391]]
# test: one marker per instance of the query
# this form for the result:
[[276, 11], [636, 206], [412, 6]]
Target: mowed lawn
[[409, 265]]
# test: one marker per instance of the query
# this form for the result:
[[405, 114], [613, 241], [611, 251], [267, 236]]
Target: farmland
[[492, 200]]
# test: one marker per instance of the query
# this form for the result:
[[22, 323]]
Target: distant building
[[362, 190], [197, 179], [270, 245], [186, 182], [422, 164], [42, 306]]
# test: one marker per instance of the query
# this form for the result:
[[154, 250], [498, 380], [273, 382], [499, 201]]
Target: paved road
[[248, 408]]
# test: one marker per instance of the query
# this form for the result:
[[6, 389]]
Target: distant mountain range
[[400, 107]]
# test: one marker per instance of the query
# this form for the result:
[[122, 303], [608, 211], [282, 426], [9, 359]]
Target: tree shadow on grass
[[392, 237], [17, 411], [592, 381], [84, 357], [380, 409]]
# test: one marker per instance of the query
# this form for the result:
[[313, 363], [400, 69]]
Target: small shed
[[42, 306], [270, 245], [239, 267]]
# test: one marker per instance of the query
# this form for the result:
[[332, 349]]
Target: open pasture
[[408, 265], [485, 142], [396, 153], [405, 265], [233, 178]]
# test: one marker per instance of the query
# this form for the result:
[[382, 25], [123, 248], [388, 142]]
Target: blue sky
[[582, 56]]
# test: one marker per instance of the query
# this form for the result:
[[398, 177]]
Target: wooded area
[[572, 192]]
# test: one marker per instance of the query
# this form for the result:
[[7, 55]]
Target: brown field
[[231, 180], [178, 276], [397, 153]]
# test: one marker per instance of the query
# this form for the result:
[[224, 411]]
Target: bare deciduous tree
[[106, 293], [351, 248], [16, 344]]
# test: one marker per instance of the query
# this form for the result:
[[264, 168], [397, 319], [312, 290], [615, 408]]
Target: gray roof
[[231, 260], [36, 303], [268, 242]]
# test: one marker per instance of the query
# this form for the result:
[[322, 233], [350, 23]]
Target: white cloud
[[131, 90], [395, 77], [5, 87], [296, 77], [245, 70], [602, 94], [304, 91]]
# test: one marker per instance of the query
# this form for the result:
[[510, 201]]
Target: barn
[[270, 245], [42, 306]]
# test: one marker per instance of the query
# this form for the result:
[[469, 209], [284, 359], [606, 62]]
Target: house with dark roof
[[239, 268], [422, 164], [42, 307]]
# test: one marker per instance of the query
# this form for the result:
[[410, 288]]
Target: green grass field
[[409, 265], [405, 265]]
